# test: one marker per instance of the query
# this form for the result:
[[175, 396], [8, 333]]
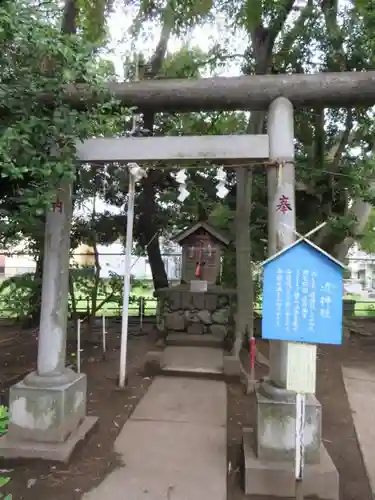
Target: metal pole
[[135, 173]]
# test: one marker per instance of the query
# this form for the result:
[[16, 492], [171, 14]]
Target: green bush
[[16, 295], [4, 419], [4, 481]]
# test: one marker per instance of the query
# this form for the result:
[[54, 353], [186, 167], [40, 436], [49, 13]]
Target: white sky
[[204, 36], [122, 46]]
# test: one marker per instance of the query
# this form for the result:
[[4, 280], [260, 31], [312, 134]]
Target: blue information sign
[[303, 296]]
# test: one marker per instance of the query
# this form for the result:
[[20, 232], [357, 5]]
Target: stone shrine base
[[276, 478], [196, 313], [199, 356], [48, 416], [276, 424], [55, 452], [269, 451], [190, 340]]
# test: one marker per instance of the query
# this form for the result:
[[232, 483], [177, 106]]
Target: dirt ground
[[95, 459], [339, 435]]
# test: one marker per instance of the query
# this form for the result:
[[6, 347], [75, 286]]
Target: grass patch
[[364, 307], [4, 420], [114, 307], [15, 297]]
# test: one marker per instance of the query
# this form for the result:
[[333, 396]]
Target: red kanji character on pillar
[[284, 204]]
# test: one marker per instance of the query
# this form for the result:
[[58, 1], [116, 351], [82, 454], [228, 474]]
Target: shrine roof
[[213, 231], [299, 242]]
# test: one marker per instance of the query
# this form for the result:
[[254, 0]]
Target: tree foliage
[[334, 148], [37, 143]]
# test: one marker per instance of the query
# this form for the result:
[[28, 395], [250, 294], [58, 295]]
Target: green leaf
[[4, 481]]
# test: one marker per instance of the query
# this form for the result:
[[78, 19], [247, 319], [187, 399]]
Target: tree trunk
[[147, 231], [147, 202], [70, 13], [159, 275], [73, 311], [361, 210], [35, 299], [244, 271], [255, 92]]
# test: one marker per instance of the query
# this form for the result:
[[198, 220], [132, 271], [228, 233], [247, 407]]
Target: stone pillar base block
[[55, 452], [269, 478], [232, 367], [153, 362], [47, 413], [276, 424]]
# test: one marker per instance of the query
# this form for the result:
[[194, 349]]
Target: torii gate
[[49, 406]]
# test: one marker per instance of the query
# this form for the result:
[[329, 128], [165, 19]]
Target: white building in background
[[111, 260], [362, 272], [13, 265]]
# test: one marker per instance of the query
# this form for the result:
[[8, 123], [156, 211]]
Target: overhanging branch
[[277, 26]]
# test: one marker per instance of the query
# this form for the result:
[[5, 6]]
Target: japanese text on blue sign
[[302, 301]]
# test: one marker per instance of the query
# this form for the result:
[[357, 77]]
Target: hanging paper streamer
[[221, 177], [181, 179], [105, 180]]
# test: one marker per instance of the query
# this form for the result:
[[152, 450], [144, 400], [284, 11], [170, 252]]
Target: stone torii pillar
[[269, 468], [48, 408]]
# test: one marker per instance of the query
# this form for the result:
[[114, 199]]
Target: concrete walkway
[[360, 387], [174, 446]]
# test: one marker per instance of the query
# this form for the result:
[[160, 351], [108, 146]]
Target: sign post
[[300, 443], [302, 304]]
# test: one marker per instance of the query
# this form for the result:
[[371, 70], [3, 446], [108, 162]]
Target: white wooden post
[[78, 346], [141, 306], [136, 173], [104, 334]]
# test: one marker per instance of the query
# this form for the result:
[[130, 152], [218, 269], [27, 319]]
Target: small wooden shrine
[[199, 304], [202, 247]]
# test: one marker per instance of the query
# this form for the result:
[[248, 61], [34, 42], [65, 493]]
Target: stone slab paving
[[360, 388], [199, 359], [174, 446], [191, 340]]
